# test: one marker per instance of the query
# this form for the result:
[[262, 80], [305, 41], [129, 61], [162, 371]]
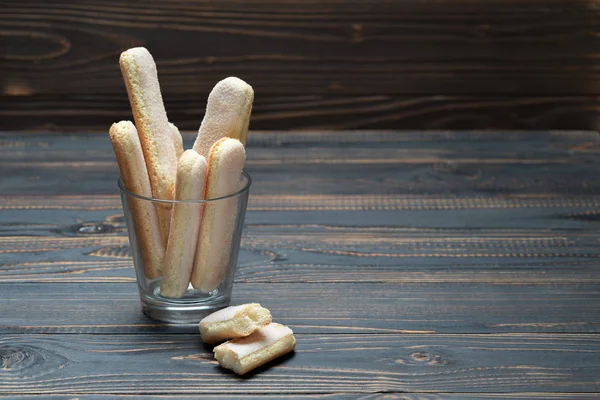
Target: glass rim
[[245, 188]]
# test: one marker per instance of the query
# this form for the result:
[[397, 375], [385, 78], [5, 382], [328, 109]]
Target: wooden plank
[[555, 145], [85, 224], [181, 364], [319, 254], [345, 395], [212, 396], [208, 396], [334, 47], [441, 163], [350, 269], [413, 307], [336, 64], [309, 202], [256, 267], [443, 178], [85, 112], [416, 146]]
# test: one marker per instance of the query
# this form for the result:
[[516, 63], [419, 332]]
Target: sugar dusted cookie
[[233, 322], [244, 354]]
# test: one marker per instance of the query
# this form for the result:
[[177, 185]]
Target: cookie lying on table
[[255, 340], [233, 322], [244, 354]]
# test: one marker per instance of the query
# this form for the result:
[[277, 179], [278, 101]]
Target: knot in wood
[[90, 229], [420, 356], [93, 228], [14, 359], [20, 360]]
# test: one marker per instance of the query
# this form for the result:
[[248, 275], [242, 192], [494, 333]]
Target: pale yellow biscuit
[[130, 158], [244, 354], [225, 164], [141, 80], [185, 224], [227, 114], [177, 141], [233, 322]]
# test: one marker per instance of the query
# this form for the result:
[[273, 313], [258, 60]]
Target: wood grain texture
[[335, 64], [347, 395], [429, 222], [332, 308], [319, 254], [84, 112], [330, 47], [324, 163], [439, 265], [320, 364]]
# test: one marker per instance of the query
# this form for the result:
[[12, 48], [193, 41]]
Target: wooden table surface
[[440, 265]]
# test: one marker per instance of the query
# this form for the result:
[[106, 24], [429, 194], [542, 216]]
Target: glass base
[[189, 309]]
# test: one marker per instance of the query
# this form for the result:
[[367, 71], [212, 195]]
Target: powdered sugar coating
[[225, 165], [177, 140], [141, 80], [134, 174], [258, 340], [227, 114], [224, 314], [185, 223], [126, 143]]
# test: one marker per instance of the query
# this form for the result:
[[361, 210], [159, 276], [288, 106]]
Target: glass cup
[[195, 303]]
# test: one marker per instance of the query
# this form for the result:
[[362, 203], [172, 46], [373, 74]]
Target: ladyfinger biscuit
[[225, 163], [177, 141], [141, 80], [244, 354], [227, 114], [233, 322], [130, 158], [185, 223]]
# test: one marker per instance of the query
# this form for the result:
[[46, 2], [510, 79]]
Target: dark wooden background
[[314, 64]]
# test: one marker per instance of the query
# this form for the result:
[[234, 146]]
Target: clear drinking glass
[[194, 304]]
